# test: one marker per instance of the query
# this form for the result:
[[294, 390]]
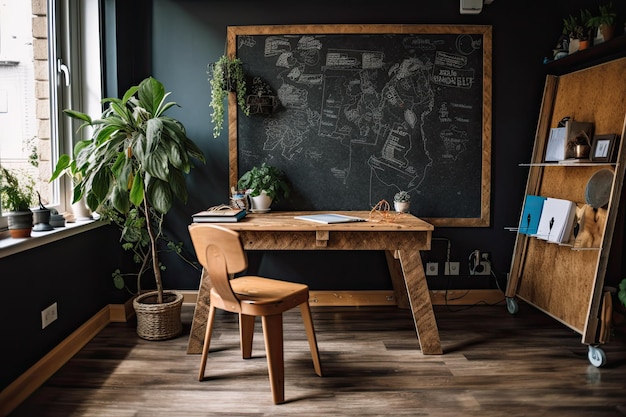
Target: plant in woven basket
[[134, 166]]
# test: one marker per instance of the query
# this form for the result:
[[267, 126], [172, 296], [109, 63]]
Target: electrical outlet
[[48, 315], [483, 268], [452, 268], [432, 269]]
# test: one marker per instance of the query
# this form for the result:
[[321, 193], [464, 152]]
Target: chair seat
[[265, 296]]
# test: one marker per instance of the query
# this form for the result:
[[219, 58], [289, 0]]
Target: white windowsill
[[10, 246]]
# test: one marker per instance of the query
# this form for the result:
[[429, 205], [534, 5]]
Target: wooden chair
[[221, 253]]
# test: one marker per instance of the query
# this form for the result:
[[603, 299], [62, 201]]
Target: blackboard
[[367, 110]]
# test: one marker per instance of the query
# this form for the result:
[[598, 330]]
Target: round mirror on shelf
[[598, 190]]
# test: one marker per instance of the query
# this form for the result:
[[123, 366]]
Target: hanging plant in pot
[[135, 165], [17, 198], [263, 184], [226, 76]]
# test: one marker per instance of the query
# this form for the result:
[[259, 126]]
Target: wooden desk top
[[285, 221]]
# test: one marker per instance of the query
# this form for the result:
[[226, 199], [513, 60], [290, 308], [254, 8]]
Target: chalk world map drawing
[[362, 116]]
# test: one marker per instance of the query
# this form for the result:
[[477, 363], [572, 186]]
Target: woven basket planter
[[158, 321]]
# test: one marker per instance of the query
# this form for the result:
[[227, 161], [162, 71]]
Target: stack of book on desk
[[220, 215]]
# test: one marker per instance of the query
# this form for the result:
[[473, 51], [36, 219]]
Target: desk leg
[[421, 305], [397, 279], [200, 316]]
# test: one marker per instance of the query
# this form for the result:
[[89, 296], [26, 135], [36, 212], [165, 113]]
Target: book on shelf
[[557, 220], [330, 218], [223, 215], [529, 222]]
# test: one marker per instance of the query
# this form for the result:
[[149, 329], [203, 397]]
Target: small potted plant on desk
[[17, 198], [133, 168], [402, 201], [263, 184]]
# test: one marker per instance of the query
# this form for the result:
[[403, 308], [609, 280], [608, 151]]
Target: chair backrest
[[221, 253]]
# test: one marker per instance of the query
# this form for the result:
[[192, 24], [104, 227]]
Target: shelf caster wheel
[[596, 356], [511, 305]]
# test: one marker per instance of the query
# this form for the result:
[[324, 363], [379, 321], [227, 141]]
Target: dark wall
[[75, 273], [189, 34]]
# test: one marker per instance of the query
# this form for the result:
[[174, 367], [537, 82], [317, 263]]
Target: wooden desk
[[401, 240]]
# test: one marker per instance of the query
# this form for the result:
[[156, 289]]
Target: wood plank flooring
[[494, 364]]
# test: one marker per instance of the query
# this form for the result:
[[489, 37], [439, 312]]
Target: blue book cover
[[533, 206]]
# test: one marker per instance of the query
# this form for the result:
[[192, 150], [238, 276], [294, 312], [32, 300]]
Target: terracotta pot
[[583, 44], [20, 223], [606, 31]]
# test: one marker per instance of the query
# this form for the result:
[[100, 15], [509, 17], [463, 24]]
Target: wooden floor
[[494, 364]]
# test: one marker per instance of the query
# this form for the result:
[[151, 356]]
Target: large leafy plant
[[135, 164]]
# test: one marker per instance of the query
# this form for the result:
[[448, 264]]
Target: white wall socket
[[48, 315], [432, 269], [452, 268]]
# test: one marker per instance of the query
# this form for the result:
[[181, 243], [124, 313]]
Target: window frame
[[75, 78]]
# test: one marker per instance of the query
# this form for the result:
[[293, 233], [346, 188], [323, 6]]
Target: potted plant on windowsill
[[134, 165], [264, 184], [226, 76], [17, 197]]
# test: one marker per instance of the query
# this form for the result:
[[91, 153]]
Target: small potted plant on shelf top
[[264, 184], [604, 21], [226, 75], [402, 201], [17, 198], [578, 30]]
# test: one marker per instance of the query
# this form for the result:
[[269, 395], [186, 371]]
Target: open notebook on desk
[[329, 218]]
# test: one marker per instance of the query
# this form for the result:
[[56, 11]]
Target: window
[[49, 61]]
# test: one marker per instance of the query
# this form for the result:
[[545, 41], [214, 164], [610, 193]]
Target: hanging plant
[[226, 75]]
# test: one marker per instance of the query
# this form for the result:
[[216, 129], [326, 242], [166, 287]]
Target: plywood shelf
[[567, 282]]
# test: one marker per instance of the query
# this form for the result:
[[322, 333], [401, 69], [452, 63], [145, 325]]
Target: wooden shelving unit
[[564, 283], [595, 55]]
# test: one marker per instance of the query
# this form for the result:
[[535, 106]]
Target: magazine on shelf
[[533, 207], [557, 220]]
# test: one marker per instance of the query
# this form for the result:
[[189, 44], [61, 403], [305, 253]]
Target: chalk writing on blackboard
[[362, 116]]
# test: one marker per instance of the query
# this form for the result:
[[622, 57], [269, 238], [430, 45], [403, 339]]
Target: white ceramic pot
[[261, 202], [401, 206], [81, 211]]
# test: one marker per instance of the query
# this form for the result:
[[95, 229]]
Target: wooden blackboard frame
[[485, 31]]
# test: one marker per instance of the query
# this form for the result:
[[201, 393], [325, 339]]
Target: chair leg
[[273, 335], [207, 342], [310, 334], [246, 334]]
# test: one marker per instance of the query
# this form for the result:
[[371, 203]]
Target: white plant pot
[[401, 206], [261, 202], [81, 211]]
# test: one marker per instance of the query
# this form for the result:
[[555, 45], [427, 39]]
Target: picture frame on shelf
[[603, 148]]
